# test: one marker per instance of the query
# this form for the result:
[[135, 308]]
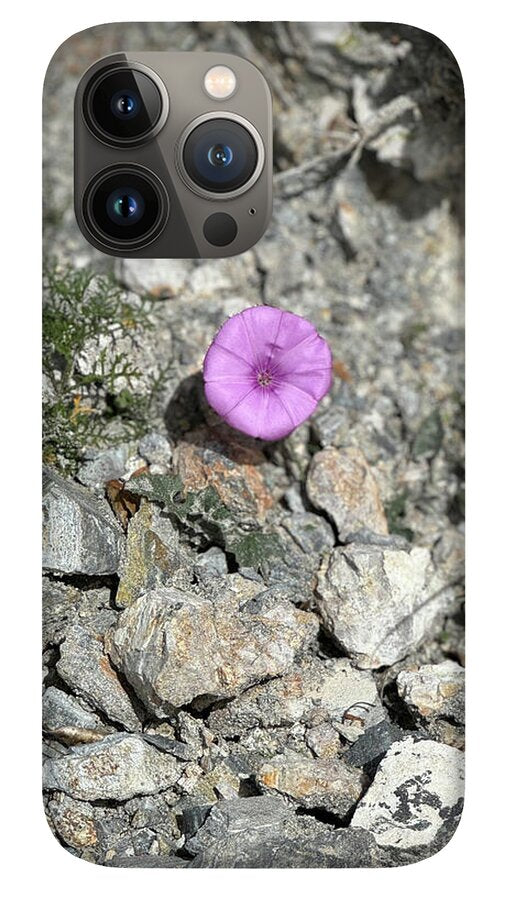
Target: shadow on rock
[[189, 419]]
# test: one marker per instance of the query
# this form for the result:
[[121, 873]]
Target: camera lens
[[125, 105], [125, 207], [221, 155]]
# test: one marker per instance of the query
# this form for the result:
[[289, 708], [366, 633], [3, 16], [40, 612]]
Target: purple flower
[[266, 371]]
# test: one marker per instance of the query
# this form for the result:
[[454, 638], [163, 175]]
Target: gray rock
[[293, 499], [331, 426], [341, 484], [153, 812], [103, 466], [147, 862], [156, 449], [263, 832], [212, 562], [313, 693], [311, 533], [220, 783], [415, 799], [176, 647], [253, 748], [80, 533], [379, 603], [86, 668], [64, 718], [158, 277], [151, 555], [369, 748], [194, 735], [193, 818], [252, 815], [313, 783], [116, 768], [64, 605]]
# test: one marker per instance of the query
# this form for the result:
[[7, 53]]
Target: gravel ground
[[254, 653]]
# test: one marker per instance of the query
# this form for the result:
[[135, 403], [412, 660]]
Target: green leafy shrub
[[88, 408]]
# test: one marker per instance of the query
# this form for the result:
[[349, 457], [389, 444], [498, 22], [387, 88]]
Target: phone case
[[253, 645]]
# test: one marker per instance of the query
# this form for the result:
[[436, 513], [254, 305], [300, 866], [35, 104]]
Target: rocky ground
[[253, 654]]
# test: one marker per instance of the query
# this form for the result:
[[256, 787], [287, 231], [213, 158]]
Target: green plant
[[203, 512], [87, 405], [395, 511]]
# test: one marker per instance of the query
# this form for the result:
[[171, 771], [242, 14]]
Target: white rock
[[415, 797], [153, 276], [379, 602]]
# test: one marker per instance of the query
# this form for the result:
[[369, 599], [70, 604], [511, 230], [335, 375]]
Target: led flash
[[220, 82]]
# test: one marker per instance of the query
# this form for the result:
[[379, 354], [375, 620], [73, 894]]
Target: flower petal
[[251, 413], [315, 384], [224, 396], [250, 334], [297, 403], [311, 353], [263, 414], [222, 362]]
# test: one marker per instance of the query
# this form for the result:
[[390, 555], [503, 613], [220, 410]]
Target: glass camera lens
[[124, 105], [125, 208], [220, 155]]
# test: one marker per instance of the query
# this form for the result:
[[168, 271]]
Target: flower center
[[264, 378]]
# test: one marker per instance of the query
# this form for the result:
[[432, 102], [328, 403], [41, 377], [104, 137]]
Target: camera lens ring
[[160, 100], [220, 194], [154, 220]]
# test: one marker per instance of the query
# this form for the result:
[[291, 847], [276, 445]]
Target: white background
[[486, 856]]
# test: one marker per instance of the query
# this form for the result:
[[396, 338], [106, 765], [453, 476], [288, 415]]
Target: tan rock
[[73, 821], [323, 740], [175, 647], [434, 690], [228, 463], [435, 694], [312, 783], [341, 484]]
